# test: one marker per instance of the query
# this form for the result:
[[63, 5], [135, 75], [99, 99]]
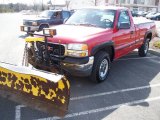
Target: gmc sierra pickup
[[90, 40]]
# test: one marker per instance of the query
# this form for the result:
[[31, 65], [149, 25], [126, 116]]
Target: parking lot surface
[[132, 91]]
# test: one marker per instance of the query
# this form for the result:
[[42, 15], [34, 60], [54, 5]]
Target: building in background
[[145, 5]]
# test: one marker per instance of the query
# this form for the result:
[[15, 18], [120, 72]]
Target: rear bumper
[[81, 70]]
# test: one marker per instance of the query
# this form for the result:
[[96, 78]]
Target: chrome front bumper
[[81, 70]]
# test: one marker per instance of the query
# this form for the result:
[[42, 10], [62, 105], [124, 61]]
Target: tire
[[43, 26], [101, 67], [143, 50]]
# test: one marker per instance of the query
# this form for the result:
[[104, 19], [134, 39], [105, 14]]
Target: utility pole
[[95, 2], [42, 6], [158, 10], [67, 3]]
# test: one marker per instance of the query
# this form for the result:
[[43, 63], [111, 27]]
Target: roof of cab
[[56, 10], [108, 7]]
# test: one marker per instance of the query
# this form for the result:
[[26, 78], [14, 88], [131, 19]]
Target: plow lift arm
[[41, 90]]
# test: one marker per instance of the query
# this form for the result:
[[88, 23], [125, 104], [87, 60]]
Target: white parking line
[[114, 92], [18, 112], [138, 58], [103, 109], [18, 108]]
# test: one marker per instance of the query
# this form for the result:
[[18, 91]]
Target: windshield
[[93, 17], [46, 14]]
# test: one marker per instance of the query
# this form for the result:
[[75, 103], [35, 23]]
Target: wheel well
[[110, 51], [149, 36], [43, 25]]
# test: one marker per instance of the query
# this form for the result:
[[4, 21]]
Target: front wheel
[[143, 50], [101, 67]]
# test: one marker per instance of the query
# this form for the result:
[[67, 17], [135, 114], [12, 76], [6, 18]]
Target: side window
[[57, 15], [124, 18], [65, 14]]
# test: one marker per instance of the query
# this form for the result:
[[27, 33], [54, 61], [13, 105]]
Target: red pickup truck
[[90, 40]]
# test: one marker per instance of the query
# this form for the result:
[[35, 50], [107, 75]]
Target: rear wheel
[[101, 67], [143, 50]]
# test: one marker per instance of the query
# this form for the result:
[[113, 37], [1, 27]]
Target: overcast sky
[[28, 1]]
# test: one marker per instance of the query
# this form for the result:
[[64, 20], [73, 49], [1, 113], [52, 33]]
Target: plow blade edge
[[39, 90]]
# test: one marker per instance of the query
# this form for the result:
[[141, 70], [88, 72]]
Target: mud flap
[[39, 90]]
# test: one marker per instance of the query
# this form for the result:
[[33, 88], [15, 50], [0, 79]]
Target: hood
[[36, 19], [77, 34]]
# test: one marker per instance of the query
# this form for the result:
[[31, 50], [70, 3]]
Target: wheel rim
[[146, 47], [103, 69]]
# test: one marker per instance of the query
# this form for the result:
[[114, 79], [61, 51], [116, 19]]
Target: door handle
[[132, 32]]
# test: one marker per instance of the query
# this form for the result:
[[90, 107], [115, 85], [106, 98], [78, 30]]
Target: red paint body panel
[[124, 41]]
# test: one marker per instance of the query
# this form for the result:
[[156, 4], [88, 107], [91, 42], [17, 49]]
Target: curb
[[154, 52]]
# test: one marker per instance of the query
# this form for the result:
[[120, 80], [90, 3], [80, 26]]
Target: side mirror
[[124, 25]]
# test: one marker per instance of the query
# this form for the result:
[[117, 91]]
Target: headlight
[[34, 23], [77, 50], [74, 53], [77, 47]]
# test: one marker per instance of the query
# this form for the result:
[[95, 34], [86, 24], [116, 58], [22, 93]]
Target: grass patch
[[156, 44]]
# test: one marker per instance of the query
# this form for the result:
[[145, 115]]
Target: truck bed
[[142, 26], [141, 20]]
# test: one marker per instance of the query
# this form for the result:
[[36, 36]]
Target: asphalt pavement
[[132, 91]]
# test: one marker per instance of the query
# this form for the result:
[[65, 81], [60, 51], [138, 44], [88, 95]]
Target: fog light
[[51, 32]]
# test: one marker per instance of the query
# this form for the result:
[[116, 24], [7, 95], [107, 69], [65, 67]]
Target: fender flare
[[146, 34], [103, 46]]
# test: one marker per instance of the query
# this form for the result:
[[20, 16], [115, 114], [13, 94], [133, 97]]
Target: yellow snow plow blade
[[39, 90]]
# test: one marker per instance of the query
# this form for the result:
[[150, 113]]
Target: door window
[[124, 18], [57, 15]]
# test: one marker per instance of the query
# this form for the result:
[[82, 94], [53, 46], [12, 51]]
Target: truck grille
[[53, 49], [27, 23]]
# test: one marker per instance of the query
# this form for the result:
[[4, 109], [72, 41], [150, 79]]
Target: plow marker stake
[[39, 90]]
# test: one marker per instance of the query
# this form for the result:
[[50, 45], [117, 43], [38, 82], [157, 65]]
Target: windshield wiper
[[43, 16], [84, 24], [87, 24]]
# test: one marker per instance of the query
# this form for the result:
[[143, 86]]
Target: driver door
[[124, 38]]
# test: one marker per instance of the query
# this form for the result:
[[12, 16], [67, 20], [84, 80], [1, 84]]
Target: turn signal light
[[22, 28]]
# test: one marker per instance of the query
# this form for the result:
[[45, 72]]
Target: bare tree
[[68, 3], [94, 2]]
